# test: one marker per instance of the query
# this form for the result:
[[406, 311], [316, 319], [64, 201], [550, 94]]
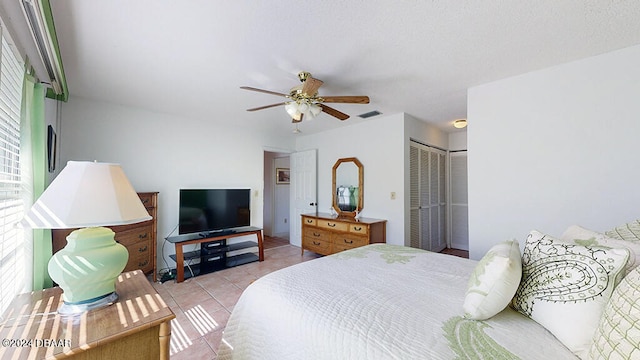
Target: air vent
[[370, 114]]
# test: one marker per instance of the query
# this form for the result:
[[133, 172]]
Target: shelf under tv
[[215, 253], [231, 261]]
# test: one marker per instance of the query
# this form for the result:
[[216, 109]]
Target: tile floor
[[203, 304]]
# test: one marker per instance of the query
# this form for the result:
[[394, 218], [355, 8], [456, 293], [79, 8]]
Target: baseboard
[[281, 235], [460, 246]]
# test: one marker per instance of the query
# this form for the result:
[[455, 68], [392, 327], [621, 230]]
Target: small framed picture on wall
[[282, 175]]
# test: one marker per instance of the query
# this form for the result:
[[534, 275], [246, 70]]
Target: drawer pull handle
[[331, 225], [143, 249], [142, 236], [316, 234], [348, 241], [143, 263], [357, 228], [309, 221], [316, 243]]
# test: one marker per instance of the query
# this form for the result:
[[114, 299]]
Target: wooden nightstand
[[31, 328]]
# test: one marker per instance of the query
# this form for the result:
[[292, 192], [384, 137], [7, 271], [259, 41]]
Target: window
[[14, 257]]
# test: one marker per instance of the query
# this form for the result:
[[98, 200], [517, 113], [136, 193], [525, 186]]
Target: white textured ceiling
[[190, 57]]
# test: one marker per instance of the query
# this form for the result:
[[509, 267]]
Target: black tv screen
[[209, 210]]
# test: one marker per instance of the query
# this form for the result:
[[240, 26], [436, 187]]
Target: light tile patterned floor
[[203, 304]]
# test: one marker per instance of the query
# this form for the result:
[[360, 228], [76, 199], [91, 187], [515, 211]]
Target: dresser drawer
[[148, 199], [316, 234], [333, 225], [309, 221], [317, 245], [349, 240], [358, 229], [139, 258], [132, 236]]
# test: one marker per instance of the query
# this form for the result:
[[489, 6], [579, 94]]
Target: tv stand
[[213, 256], [216, 233]]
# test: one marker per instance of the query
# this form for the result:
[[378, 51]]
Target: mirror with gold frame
[[347, 185]]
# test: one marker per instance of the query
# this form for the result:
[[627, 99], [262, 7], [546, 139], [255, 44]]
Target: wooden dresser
[[325, 234], [139, 239], [137, 326]]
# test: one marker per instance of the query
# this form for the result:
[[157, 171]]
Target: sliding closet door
[[459, 201], [427, 168]]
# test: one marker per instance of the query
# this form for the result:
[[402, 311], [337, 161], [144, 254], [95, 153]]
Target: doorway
[[276, 195]]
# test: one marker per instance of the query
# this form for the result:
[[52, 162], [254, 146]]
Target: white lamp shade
[[297, 109], [315, 110], [87, 194]]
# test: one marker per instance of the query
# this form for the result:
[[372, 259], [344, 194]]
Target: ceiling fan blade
[[267, 106], [346, 99], [311, 86], [262, 91], [333, 112]]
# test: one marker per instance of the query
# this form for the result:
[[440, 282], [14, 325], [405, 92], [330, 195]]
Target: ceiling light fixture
[[302, 107], [460, 123]]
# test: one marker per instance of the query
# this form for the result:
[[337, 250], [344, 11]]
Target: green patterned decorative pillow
[[565, 287], [618, 335], [582, 236], [629, 231], [493, 282]]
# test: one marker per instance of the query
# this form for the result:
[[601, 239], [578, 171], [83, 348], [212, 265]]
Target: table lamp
[[87, 196]]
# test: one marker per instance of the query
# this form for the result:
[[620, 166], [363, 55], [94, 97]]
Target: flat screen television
[[213, 210]]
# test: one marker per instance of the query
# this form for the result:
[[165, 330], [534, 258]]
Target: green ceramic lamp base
[[87, 268]]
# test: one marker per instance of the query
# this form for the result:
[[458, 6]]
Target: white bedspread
[[376, 302]]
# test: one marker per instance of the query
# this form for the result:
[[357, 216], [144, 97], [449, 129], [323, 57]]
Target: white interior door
[[304, 191]]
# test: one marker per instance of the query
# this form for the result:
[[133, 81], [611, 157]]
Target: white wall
[[458, 140], [382, 146], [164, 153], [553, 148], [378, 144]]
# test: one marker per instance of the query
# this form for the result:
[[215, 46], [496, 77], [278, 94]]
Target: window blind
[[13, 257]]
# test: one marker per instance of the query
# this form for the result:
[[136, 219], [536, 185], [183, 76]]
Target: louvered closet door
[[459, 201], [414, 196], [427, 197]]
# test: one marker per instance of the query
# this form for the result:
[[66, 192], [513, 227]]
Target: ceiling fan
[[304, 100]]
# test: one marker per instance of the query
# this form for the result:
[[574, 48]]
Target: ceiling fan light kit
[[299, 109], [305, 102]]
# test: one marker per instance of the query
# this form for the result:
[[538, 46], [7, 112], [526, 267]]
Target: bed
[[377, 302]]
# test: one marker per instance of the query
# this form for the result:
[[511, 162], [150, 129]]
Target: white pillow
[[584, 237], [565, 287], [618, 335], [493, 282], [628, 232]]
